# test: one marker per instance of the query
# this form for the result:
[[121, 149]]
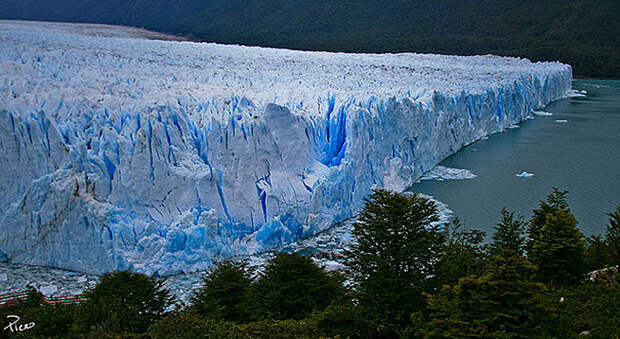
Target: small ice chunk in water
[[441, 173], [577, 94], [513, 126], [561, 120], [542, 113], [525, 174], [3, 277], [48, 290], [82, 279]]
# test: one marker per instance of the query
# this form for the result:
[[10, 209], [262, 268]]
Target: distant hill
[[583, 33]]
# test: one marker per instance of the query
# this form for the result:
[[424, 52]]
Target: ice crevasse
[[119, 152]]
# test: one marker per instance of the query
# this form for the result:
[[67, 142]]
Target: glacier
[[122, 152]]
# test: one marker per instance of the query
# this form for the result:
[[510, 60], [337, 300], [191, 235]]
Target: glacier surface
[[120, 152]]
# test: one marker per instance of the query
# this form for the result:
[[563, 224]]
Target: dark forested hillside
[[583, 33]]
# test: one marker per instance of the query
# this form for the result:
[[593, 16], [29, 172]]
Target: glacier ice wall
[[161, 157]]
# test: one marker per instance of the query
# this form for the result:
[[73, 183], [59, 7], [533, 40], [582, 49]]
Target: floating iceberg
[[561, 120], [447, 173], [525, 174], [119, 152], [542, 113], [577, 94]]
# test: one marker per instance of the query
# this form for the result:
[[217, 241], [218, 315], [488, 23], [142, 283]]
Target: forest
[[405, 276]]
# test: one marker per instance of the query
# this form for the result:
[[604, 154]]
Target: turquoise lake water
[[581, 155]]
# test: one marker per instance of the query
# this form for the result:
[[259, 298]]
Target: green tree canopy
[[503, 302], [612, 237], [123, 302], [293, 286], [605, 251], [463, 253], [555, 243], [226, 293], [554, 201], [509, 239], [395, 255]]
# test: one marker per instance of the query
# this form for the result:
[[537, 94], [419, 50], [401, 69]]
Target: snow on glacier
[[119, 152]]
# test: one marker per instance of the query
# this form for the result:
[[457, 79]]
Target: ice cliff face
[[157, 156]]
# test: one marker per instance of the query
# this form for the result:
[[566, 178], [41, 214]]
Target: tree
[[123, 301], [394, 256], [293, 286], [554, 201], [50, 320], [597, 253], [593, 305], [559, 251], [605, 251], [503, 302], [463, 253], [612, 237], [555, 245], [508, 239], [226, 293]]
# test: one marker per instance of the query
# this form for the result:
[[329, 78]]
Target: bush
[[190, 325], [274, 329], [123, 302], [346, 321]]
